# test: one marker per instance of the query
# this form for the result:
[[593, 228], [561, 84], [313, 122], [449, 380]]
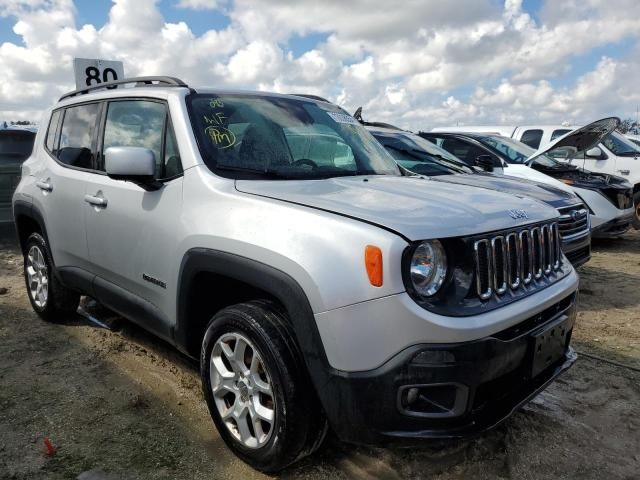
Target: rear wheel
[[636, 205], [48, 297], [257, 389]]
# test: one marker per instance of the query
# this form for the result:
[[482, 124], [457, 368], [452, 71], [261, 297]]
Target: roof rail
[[312, 97], [139, 82]]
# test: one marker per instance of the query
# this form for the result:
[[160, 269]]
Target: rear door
[[131, 236], [15, 148], [67, 154]]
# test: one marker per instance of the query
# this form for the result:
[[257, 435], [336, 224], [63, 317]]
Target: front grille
[[573, 221], [511, 260]]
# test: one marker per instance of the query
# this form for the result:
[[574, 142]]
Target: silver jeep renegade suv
[[274, 239]]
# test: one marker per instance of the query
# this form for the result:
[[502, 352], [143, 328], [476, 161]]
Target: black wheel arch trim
[[22, 208], [276, 283]]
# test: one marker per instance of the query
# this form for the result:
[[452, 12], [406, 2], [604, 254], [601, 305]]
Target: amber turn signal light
[[373, 263]]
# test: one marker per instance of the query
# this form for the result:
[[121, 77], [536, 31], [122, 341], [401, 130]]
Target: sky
[[414, 63]]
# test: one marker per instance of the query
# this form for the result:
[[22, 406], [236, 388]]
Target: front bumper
[[577, 250], [473, 385], [616, 227]]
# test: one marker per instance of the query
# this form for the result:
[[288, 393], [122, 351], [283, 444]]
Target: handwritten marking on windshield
[[220, 137], [215, 118]]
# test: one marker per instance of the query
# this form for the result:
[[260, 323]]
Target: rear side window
[[532, 138], [52, 130], [559, 133], [76, 136], [466, 152]]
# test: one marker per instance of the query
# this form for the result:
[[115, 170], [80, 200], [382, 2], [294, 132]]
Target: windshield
[[255, 136], [619, 145], [517, 152], [419, 155], [15, 145]]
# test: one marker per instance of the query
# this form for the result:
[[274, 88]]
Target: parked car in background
[[634, 138], [615, 155], [422, 157], [316, 289], [16, 144], [609, 198]]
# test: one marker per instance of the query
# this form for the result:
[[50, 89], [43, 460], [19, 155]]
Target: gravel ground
[[124, 405]]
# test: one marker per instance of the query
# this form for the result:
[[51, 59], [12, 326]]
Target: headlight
[[428, 268]]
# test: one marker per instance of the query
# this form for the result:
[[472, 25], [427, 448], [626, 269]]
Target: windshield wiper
[[270, 173], [292, 174]]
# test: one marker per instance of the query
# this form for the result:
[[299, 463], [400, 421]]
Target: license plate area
[[549, 344]]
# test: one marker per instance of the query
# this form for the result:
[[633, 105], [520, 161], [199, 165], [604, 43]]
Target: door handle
[[44, 186], [96, 201]]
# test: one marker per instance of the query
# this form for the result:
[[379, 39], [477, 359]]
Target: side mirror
[[595, 152], [135, 164], [486, 162]]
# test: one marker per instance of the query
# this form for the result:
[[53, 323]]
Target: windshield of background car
[[15, 145], [419, 155], [619, 145], [516, 151], [256, 136]]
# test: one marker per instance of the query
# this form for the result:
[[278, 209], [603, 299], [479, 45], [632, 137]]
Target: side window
[[532, 138], [172, 165], [52, 130], [76, 135], [136, 123], [464, 151], [558, 133]]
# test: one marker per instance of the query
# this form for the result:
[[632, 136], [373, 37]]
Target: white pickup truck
[[615, 155]]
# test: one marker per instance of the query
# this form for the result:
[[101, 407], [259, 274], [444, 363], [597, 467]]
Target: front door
[[132, 233]]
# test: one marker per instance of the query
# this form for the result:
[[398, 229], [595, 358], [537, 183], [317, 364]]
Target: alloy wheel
[[242, 390], [38, 277]]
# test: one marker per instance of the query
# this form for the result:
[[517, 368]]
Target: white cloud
[[417, 64], [199, 4]]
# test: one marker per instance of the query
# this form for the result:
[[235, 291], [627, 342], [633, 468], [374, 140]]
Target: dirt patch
[[125, 405]]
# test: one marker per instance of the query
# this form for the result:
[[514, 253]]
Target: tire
[[49, 298], [636, 205], [297, 424]]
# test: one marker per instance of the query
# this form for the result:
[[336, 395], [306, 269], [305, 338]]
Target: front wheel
[[257, 389], [636, 205]]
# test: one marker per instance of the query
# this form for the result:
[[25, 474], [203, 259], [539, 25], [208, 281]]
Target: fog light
[[438, 400]]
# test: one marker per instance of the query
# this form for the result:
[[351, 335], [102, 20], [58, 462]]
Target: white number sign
[[93, 71]]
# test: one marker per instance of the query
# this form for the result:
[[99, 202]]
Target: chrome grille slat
[[514, 259], [499, 258], [527, 260], [483, 269], [536, 247]]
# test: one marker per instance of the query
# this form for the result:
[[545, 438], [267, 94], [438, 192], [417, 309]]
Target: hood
[[556, 197], [581, 139], [417, 208]]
